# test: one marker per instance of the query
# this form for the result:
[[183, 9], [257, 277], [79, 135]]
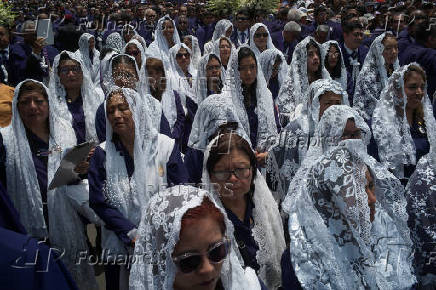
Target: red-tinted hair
[[206, 209]]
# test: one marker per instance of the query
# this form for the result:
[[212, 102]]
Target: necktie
[[4, 56], [243, 37]]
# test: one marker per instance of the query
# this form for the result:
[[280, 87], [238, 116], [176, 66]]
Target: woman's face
[[313, 60], [370, 191], [199, 237], [225, 50], [213, 69], [351, 131], [333, 57], [168, 30], [70, 74], [229, 31], [187, 40], [91, 43], [133, 50], [233, 187], [276, 68], [390, 51], [33, 109], [261, 38], [183, 59], [119, 115], [248, 70], [156, 78], [414, 87], [328, 99], [125, 76]]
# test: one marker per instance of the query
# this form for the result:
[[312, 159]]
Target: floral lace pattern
[[267, 59], [325, 47], [94, 66], [269, 43]]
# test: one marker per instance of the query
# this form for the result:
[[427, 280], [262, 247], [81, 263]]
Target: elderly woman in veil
[[403, 123], [380, 62], [306, 67], [165, 38], [347, 213], [185, 243], [224, 48], [34, 144], [126, 171]]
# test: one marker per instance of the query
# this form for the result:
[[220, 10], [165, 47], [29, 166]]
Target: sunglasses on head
[[190, 262], [257, 35]]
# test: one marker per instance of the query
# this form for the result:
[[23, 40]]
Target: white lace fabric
[[94, 66], [201, 79], [139, 46], [66, 227], [294, 88], [325, 47], [334, 245], [267, 228], [159, 233], [91, 99], [267, 128], [221, 28], [115, 42], [216, 51], [391, 131], [267, 59], [196, 52], [253, 46], [372, 79]]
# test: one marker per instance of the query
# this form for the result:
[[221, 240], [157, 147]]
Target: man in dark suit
[[353, 53], [241, 32], [68, 35]]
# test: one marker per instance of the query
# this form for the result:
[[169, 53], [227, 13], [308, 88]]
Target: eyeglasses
[[180, 55], [240, 173], [213, 67], [258, 35], [243, 19], [189, 262], [66, 69]]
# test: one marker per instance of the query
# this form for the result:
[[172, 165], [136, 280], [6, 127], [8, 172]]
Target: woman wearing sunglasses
[[184, 244], [241, 189], [260, 39]]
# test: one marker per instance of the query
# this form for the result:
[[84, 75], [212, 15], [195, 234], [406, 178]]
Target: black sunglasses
[[257, 35], [189, 262]]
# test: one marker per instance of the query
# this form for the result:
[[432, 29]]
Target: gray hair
[[322, 28], [28, 25], [294, 15], [292, 26]]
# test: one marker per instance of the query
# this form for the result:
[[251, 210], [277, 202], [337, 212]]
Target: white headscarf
[[179, 79], [296, 84], [83, 51], [267, 128], [160, 45], [253, 46], [66, 227], [196, 52], [372, 78], [91, 99], [130, 195], [392, 132], [221, 28], [138, 45], [267, 229], [159, 233], [334, 244], [115, 42], [216, 51], [267, 60], [201, 78], [325, 47], [214, 111]]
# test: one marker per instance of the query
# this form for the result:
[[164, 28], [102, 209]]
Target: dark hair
[[32, 86], [64, 57], [349, 26], [418, 114], [249, 93], [423, 31], [336, 71], [312, 43], [165, 20], [154, 63], [206, 209], [225, 144], [225, 39], [104, 51], [213, 56]]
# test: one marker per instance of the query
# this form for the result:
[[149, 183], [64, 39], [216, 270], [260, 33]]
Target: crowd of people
[[247, 149]]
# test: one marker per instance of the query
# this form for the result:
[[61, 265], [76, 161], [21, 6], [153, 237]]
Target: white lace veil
[[267, 60], [267, 229], [325, 47], [201, 79], [334, 245], [372, 78], [213, 112], [66, 227], [253, 46], [392, 132], [196, 52], [293, 90], [91, 99], [216, 51], [94, 67], [138, 45], [115, 42], [130, 195], [179, 79], [159, 233], [220, 30], [267, 130], [160, 45]]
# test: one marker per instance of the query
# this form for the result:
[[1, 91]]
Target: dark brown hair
[[418, 115], [31, 86]]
